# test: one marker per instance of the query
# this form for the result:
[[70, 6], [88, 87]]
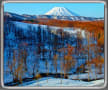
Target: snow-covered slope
[[56, 82], [60, 11], [13, 16]]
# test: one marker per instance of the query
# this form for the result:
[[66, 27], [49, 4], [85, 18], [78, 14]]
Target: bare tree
[[55, 57]]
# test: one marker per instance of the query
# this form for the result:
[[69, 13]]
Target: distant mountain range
[[60, 13]]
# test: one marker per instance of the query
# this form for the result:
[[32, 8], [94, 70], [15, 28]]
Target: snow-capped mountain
[[60, 11]]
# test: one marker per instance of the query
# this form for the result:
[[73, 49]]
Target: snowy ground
[[73, 81], [49, 81], [92, 75], [53, 28], [85, 76]]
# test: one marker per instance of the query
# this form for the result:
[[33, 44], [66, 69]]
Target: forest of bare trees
[[29, 48]]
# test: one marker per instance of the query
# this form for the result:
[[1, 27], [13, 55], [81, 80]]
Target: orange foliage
[[99, 60], [95, 27], [101, 41], [91, 26]]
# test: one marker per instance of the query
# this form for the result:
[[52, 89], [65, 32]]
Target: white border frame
[[58, 1]]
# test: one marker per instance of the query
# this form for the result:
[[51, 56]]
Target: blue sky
[[83, 9]]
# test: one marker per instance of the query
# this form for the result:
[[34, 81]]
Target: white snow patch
[[44, 82]]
